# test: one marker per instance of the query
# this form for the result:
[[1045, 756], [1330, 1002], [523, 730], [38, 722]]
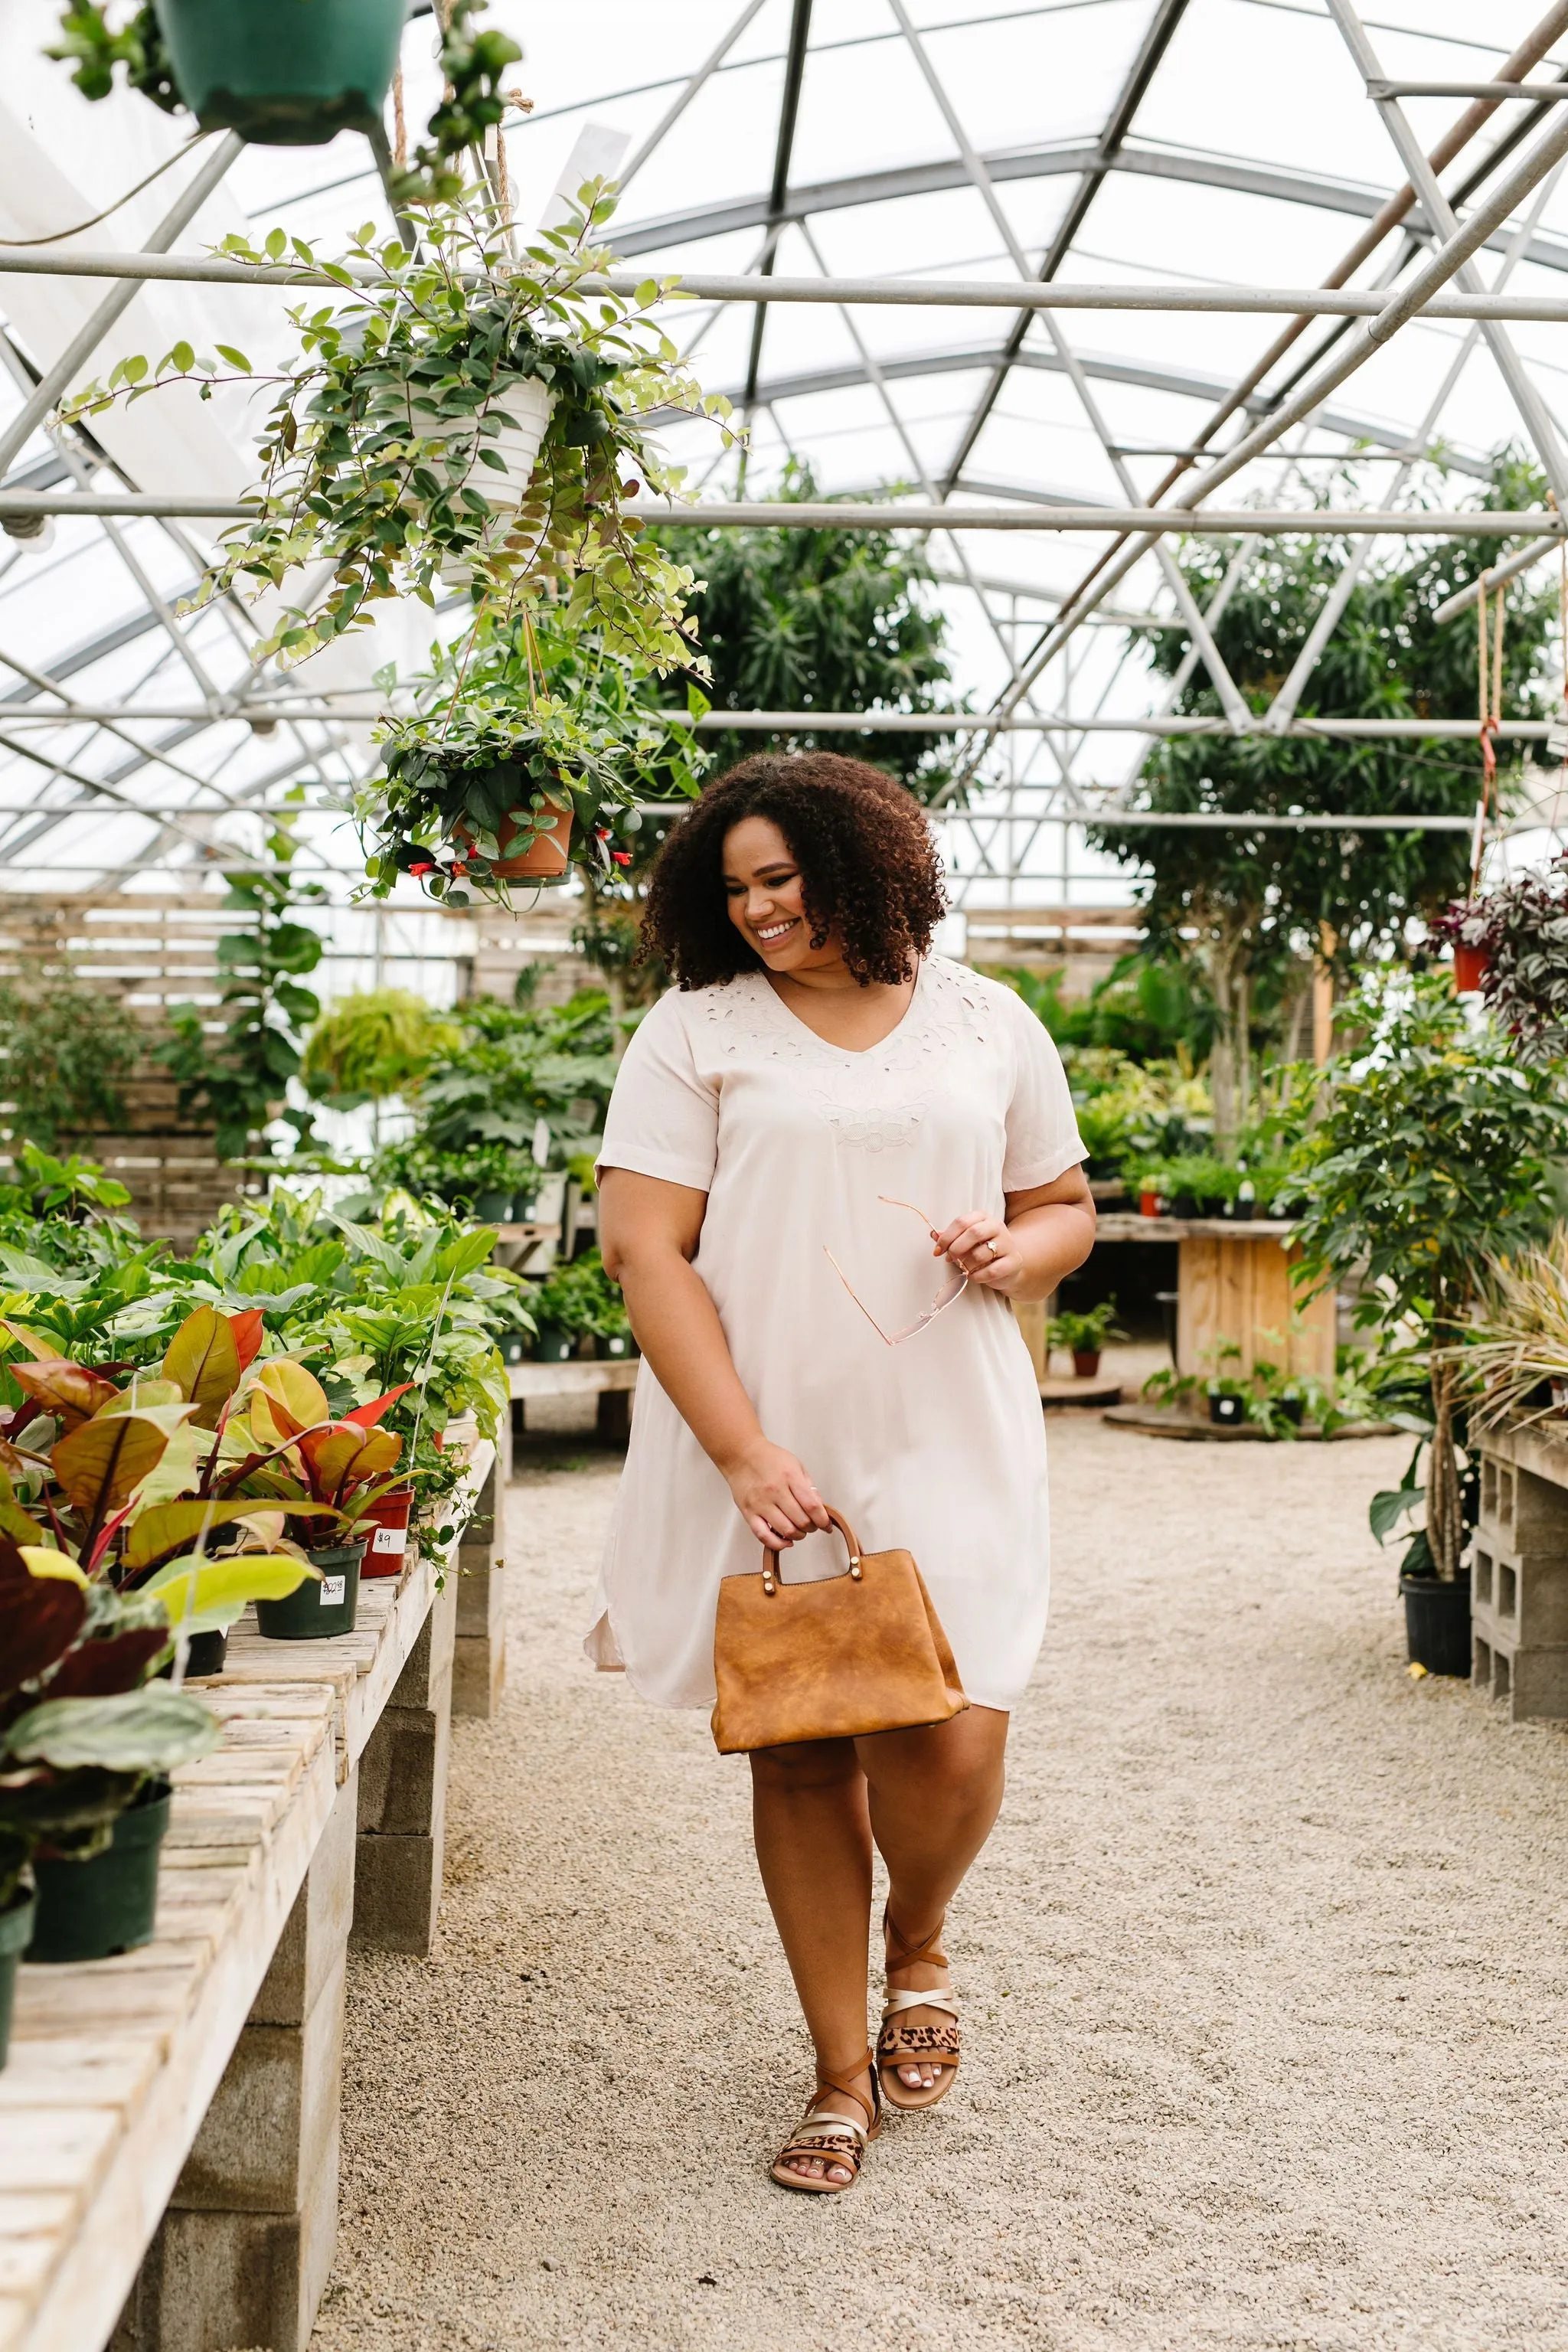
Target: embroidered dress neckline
[[852, 1052]]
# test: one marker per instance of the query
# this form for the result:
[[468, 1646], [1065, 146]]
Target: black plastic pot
[[614, 1344], [1244, 1209], [205, 1656], [1294, 1409], [1185, 1205], [493, 1208], [1227, 1412], [553, 1346], [90, 1910], [314, 1611], [16, 1935], [514, 1346], [1437, 1622], [287, 73]]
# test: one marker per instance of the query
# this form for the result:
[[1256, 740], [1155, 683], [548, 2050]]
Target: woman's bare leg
[[813, 1846], [933, 1795]]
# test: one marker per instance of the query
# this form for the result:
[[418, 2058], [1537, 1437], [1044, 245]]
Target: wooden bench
[[611, 1379], [169, 2120]]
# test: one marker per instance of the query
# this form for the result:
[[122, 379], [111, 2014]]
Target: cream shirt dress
[[936, 1445]]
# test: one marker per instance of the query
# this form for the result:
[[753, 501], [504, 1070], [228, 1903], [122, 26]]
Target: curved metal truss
[[134, 736]]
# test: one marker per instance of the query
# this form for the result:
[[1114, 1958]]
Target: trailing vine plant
[[240, 1082]]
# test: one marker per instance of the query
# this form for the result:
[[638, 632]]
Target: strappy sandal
[[835, 2137], [916, 2046]]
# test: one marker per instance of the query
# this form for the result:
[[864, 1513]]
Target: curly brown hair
[[867, 864]]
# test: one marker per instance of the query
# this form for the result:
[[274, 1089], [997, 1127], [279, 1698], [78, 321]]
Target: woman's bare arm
[[1044, 1235], [649, 1231]]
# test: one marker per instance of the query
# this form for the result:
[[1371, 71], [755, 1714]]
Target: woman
[[821, 1111]]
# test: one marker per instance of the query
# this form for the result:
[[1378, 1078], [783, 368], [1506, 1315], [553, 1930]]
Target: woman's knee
[[805, 1767], [960, 1765]]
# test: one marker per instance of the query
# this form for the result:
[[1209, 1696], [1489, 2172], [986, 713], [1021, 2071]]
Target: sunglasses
[[953, 1286]]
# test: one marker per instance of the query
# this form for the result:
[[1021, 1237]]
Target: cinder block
[[428, 1665], [1525, 1512], [480, 1601], [219, 2281], [311, 1945], [479, 1674], [398, 1895], [402, 1772], [273, 2123]]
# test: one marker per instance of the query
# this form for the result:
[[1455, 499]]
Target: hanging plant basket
[[283, 73], [1470, 969]]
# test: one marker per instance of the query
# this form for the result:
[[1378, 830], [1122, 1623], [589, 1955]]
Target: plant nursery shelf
[[150, 2081]]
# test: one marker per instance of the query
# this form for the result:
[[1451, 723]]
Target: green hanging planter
[[283, 73]]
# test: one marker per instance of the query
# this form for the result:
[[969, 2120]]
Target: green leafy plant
[[825, 620], [535, 1080], [412, 391], [516, 725], [1523, 928], [1245, 910], [66, 1048], [376, 1043], [1429, 1157], [240, 1083], [580, 1297], [1086, 1334], [1197, 1176], [94, 48], [1517, 1342]]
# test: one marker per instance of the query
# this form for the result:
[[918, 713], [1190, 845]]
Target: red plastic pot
[[1148, 1204], [1086, 1363], [387, 1549], [1469, 965]]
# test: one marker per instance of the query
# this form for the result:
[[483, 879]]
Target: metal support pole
[[1440, 213], [56, 380], [690, 90]]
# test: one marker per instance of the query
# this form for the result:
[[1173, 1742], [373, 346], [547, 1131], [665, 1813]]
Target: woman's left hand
[[981, 1247]]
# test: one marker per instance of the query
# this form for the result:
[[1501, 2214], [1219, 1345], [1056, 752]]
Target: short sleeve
[[1043, 1140], [663, 1119]]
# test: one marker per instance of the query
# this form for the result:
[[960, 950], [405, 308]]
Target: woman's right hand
[[776, 1496]]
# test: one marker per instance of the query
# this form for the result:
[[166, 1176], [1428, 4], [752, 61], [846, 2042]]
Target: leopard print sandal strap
[[899, 2044], [838, 2136]]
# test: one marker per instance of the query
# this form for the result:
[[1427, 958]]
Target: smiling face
[[763, 893]]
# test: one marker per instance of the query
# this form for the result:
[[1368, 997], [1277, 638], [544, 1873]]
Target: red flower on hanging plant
[[622, 857], [426, 867]]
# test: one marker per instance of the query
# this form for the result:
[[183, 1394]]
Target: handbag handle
[[773, 1576]]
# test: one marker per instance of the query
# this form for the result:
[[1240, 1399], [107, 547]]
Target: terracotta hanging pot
[[1469, 965], [546, 858]]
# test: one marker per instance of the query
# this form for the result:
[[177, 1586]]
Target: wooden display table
[[611, 1379], [1233, 1283], [169, 2119]]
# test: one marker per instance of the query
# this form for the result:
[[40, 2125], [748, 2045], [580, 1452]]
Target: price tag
[[335, 1589], [390, 1540]]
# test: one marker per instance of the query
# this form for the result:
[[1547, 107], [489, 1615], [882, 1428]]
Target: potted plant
[[322, 1473], [1085, 1336], [1515, 943], [1429, 1159], [386, 460], [87, 1744], [531, 743], [1466, 926], [373, 1045], [225, 61]]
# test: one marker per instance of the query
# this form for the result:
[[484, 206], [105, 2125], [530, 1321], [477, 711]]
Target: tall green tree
[[1245, 904], [826, 620]]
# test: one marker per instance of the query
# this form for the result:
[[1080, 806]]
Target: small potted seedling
[[1085, 1337]]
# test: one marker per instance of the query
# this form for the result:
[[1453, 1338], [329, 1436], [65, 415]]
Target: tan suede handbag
[[830, 1660]]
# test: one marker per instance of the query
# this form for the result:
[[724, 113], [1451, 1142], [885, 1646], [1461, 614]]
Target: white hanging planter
[[528, 403]]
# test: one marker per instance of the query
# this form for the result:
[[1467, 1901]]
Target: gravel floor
[[1265, 1971]]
